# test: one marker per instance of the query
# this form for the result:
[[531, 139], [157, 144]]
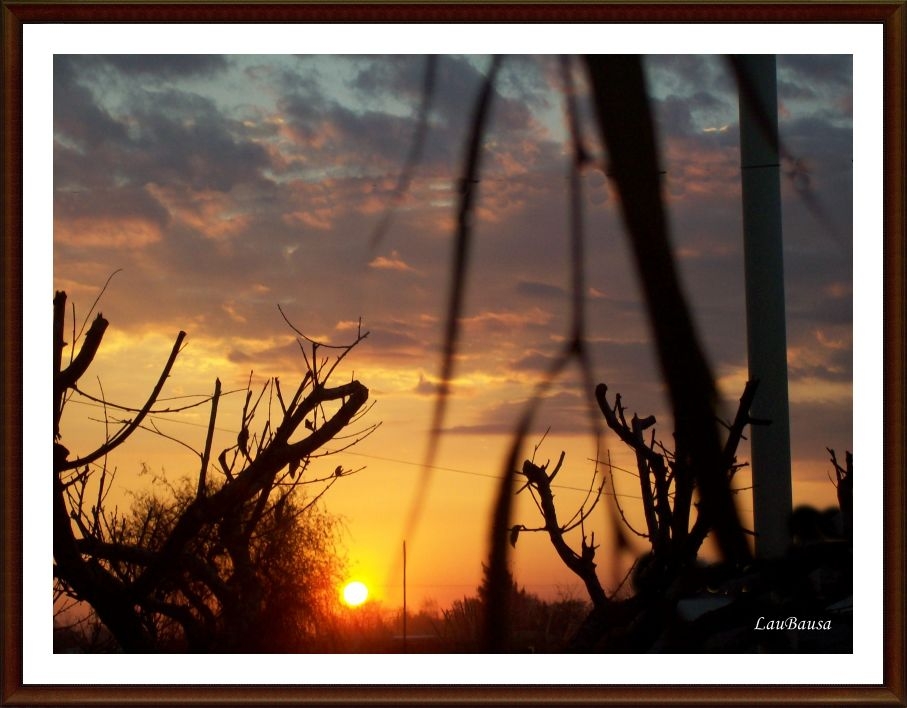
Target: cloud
[[817, 79], [348, 325], [534, 361], [158, 135], [183, 139], [540, 290], [267, 356], [210, 213], [566, 412], [823, 354], [104, 233], [392, 262], [167, 66], [427, 387], [114, 217], [84, 124], [507, 322]]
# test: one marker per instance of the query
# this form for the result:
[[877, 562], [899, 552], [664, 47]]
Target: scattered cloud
[[540, 290], [391, 262], [496, 319], [226, 185], [427, 387]]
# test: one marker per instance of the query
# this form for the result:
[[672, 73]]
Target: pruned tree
[[194, 568], [813, 577], [667, 481], [667, 490], [538, 482]]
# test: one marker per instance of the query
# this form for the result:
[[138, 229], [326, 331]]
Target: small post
[[404, 597]]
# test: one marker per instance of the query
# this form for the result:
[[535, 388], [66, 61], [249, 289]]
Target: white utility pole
[[765, 316]]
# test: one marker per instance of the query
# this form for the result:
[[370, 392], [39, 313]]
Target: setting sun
[[355, 593]]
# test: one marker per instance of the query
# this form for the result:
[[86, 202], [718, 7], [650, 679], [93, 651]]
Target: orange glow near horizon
[[447, 548]]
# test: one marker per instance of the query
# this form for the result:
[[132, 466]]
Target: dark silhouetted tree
[[675, 534], [228, 560]]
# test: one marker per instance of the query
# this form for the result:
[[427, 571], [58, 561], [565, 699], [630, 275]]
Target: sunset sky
[[223, 186]]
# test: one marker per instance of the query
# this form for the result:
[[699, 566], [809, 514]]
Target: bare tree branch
[[206, 455], [581, 564], [128, 429]]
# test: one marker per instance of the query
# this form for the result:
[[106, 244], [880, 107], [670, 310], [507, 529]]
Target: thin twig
[[128, 429], [206, 455], [93, 305]]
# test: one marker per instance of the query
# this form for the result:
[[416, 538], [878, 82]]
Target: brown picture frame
[[891, 15]]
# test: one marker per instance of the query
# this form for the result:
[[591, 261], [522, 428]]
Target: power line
[[473, 473], [370, 456], [398, 461], [159, 417]]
